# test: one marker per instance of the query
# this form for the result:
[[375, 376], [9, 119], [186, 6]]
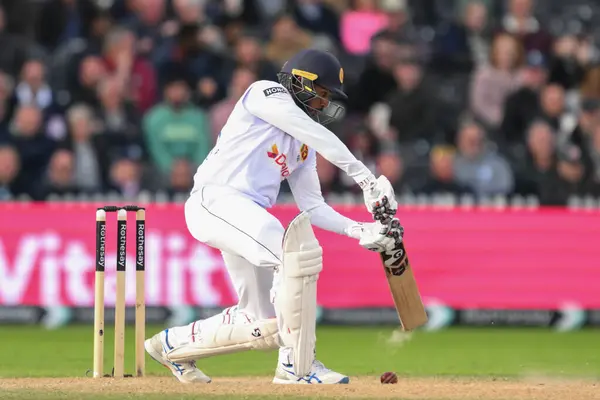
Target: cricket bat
[[403, 286]]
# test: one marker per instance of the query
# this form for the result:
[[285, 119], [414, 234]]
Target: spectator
[[572, 170], [63, 20], [588, 119], [100, 25], [119, 119], [126, 176], [461, 5], [536, 172], [365, 146], [33, 89], [9, 169], [201, 67], [552, 105], [399, 26], [287, 38], [316, 17], [245, 12], [464, 45], [441, 173], [90, 72], [89, 162], [376, 81], [6, 106], [136, 75], [181, 178], [146, 25], [34, 147], [219, 113], [249, 55], [186, 12], [413, 105], [590, 86], [124, 10], [477, 167], [555, 173], [59, 178], [16, 49], [359, 24], [389, 164], [570, 59], [493, 83], [269, 9], [519, 21], [176, 129], [522, 106]]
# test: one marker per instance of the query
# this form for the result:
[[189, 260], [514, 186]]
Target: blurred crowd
[[480, 97]]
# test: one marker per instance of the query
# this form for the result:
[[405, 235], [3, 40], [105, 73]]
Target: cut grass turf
[[30, 351]]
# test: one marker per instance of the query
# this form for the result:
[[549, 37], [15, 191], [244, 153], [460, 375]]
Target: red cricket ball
[[389, 377]]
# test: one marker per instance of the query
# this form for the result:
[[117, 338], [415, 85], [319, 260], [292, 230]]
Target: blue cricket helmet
[[312, 67]]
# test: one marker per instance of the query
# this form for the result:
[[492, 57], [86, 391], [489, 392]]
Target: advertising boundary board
[[477, 267]]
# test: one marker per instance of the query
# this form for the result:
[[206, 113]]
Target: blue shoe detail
[[177, 367], [344, 380], [310, 378]]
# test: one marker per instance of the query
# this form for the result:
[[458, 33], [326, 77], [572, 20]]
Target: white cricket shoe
[[186, 372], [284, 374]]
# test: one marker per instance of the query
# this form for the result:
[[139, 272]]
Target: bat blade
[[404, 288]]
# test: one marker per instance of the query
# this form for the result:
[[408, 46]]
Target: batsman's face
[[322, 99]]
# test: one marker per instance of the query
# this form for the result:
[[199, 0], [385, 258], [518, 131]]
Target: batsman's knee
[[267, 251]]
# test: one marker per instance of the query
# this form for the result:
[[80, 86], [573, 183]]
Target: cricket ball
[[389, 377]]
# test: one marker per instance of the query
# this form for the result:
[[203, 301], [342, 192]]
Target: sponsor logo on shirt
[[274, 90], [303, 153], [280, 159]]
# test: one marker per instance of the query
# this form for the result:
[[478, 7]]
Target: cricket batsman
[[274, 133]]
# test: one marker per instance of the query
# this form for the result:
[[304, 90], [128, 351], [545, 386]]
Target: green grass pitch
[[30, 351], [67, 352]]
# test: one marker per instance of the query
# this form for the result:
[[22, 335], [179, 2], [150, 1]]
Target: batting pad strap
[[226, 339]]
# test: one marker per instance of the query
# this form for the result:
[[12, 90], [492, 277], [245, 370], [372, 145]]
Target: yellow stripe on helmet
[[305, 74]]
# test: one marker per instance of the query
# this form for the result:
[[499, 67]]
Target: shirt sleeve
[[272, 103], [306, 189]]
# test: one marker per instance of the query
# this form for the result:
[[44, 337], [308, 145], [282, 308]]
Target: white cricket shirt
[[267, 139]]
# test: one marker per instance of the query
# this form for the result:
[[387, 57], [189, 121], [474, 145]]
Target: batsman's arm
[[279, 110], [306, 189]]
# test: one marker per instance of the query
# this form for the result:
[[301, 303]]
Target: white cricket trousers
[[249, 238]]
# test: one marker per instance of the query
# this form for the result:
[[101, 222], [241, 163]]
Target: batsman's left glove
[[380, 200]]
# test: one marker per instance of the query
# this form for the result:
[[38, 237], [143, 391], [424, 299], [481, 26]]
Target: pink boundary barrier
[[478, 258]]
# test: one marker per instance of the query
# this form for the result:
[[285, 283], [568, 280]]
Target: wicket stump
[[120, 306]]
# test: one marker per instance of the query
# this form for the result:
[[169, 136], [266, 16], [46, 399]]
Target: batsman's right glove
[[379, 237]]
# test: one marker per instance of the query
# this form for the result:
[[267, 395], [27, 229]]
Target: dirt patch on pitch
[[361, 387]]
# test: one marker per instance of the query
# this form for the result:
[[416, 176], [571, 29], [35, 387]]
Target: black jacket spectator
[[413, 105]]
